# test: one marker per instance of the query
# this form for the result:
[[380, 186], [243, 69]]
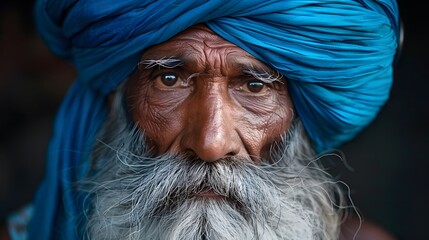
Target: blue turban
[[336, 54]]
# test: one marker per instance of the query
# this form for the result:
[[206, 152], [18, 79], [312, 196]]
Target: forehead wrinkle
[[213, 57], [194, 56], [225, 58], [205, 52], [234, 59]]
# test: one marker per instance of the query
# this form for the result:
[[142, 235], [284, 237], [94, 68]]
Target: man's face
[[198, 162], [199, 94]]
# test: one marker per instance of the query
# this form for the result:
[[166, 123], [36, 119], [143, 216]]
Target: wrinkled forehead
[[198, 46]]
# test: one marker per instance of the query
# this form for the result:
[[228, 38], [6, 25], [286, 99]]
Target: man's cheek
[[270, 130], [158, 135], [158, 107], [165, 100], [161, 120]]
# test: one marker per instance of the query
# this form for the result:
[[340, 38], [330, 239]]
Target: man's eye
[[254, 86], [170, 80]]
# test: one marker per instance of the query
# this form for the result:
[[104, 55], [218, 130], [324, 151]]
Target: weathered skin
[[220, 112]]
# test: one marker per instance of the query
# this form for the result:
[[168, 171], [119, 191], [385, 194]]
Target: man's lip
[[209, 193]]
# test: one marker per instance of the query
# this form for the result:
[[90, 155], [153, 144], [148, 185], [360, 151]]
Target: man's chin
[[210, 216]]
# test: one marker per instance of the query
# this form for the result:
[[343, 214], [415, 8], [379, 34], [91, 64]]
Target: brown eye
[[255, 86], [169, 79]]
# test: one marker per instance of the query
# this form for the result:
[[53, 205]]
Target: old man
[[206, 119]]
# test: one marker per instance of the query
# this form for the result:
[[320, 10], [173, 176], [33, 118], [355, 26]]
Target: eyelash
[[165, 71]]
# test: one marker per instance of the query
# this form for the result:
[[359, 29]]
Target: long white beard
[[136, 196]]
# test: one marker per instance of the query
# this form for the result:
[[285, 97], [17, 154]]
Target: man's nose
[[210, 132]]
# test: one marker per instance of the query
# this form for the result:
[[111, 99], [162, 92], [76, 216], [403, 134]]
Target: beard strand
[[135, 195]]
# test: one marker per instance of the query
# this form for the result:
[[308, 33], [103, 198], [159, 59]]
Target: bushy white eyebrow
[[265, 76], [163, 62]]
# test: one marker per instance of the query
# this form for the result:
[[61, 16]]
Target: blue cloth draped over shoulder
[[336, 54]]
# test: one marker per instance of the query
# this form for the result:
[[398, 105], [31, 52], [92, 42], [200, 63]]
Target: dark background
[[388, 162]]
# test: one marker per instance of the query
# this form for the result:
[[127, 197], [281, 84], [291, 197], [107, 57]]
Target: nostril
[[231, 154]]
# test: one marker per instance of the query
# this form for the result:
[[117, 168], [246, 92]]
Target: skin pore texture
[[202, 143], [215, 107]]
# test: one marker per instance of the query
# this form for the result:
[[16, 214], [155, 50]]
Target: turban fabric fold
[[336, 54]]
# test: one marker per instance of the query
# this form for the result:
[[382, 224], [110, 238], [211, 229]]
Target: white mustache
[[175, 179]]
